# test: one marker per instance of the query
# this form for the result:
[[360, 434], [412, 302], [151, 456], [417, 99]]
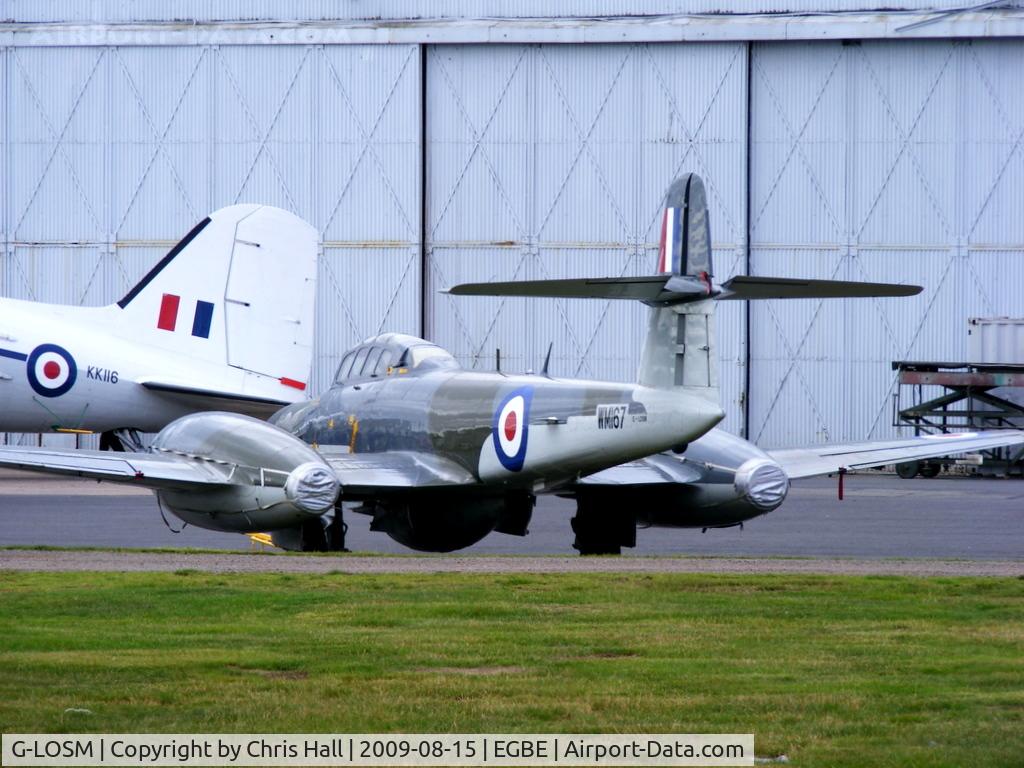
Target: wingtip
[[465, 289]]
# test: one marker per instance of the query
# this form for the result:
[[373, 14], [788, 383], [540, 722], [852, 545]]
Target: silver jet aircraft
[[441, 457]]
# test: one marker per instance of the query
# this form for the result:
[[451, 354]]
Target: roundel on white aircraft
[[511, 428], [51, 370]]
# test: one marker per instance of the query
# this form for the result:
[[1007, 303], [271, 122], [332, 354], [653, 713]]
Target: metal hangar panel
[[426, 154]]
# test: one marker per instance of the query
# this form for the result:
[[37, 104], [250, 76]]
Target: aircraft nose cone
[[709, 415]]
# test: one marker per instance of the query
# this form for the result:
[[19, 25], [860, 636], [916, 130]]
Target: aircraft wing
[[392, 472], [215, 400], [647, 471], [148, 470], [827, 459], [360, 474]]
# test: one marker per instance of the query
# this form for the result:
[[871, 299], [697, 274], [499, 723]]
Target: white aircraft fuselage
[[224, 321], [73, 369]]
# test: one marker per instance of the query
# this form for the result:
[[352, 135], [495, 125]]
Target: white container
[[995, 340]]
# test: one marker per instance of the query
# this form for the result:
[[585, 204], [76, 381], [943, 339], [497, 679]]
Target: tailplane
[[238, 290], [679, 351]]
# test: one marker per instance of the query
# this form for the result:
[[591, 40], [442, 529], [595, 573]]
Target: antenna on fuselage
[[497, 359], [547, 360]]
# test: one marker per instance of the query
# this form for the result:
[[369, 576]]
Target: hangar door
[[889, 161], [133, 145], [551, 161]]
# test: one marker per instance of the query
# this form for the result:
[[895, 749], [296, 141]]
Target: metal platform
[[968, 403]]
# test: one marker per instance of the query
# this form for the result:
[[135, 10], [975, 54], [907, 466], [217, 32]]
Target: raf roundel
[[51, 370], [511, 428]]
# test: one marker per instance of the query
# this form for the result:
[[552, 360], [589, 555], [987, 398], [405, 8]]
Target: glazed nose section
[[762, 482]]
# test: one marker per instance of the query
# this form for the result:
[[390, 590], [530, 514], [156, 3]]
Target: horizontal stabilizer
[[676, 289], [635, 288], [749, 287]]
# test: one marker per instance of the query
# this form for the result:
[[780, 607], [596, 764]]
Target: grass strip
[[829, 670]]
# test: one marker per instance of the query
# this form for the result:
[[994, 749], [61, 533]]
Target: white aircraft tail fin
[[238, 290]]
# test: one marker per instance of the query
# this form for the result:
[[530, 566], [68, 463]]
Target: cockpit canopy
[[392, 353]]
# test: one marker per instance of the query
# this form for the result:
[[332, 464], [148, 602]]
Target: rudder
[[685, 245], [679, 350], [237, 290]]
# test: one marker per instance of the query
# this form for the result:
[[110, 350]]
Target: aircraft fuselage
[[511, 430]]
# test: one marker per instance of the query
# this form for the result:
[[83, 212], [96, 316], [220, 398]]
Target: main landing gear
[[602, 528], [909, 469], [121, 440], [325, 534]]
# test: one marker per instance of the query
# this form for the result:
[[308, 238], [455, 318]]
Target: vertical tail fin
[[685, 231], [679, 350], [238, 291]]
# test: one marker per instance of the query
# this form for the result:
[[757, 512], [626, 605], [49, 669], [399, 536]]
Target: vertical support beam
[[960, 221], [316, 67], [316, 57], [5, 180], [5, 177], [748, 261], [851, 56], [110, 235], [638, 237], [424, 255], [213, 59]]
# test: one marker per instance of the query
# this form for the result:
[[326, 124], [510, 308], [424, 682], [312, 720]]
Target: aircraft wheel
[[336, 532], [602, 529], [109, 441], [908, 469], [314, 537], [930, 470], [593, 542]]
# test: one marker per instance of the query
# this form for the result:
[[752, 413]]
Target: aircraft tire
[[314, 537], [908, 469], [336, 532], [930, 470], [592, 540], [601, 530], [109, 441]]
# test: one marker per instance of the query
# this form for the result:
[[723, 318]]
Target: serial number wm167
[[611, 416]]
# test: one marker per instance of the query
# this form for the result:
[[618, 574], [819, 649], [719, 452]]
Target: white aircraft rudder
[[237, 290]]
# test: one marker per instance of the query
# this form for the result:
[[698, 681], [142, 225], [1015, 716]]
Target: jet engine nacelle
[[738, 481], [271, 479], [735, 481], [754, 488]]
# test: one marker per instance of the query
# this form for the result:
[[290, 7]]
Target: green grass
[[831, 671]]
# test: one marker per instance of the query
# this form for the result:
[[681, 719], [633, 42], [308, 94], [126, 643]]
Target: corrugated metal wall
[[113, 11], [551, 161], [115, 153], [882, 161], [889, 162]]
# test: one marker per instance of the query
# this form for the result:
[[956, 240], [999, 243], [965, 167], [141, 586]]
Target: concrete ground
[[882, 516]]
